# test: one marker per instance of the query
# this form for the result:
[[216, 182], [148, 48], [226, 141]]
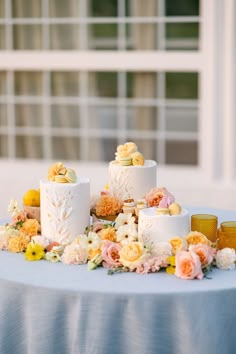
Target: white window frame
[[214, 62]]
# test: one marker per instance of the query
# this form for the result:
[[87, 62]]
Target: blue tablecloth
[[56, 308]]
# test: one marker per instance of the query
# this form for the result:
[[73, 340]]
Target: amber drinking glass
[[227, 235], [206, 224]]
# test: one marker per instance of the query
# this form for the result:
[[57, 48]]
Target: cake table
[[57, 308]]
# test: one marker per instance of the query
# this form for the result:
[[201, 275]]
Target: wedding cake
[[65, 204], [130, 176]]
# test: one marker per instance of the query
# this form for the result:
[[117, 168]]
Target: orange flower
[[107, 205], [30, 227], [178, 244], [108, 234], [18, 243], [93, 252]]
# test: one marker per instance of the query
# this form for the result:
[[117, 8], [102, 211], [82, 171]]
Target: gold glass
[[206, 224], [227, 235]]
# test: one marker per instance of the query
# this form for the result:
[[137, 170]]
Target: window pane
[[65, 116], [2, 37], [182, 8], [3, 146], [182, 85], [3, 115], [26, 8], [65, 84], [142, 36], [2, 8], [63, 8], [182, 152], [142, 118], [182, 119], [182, 36], [104, 8], [103, 149], [102, 117], [28, 115], [141, 85], [103, 84], [3, 83], [64, 37], [28, 83], [29, 147], [27, 37], [66, 148]]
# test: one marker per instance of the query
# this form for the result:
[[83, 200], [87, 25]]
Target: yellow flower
[[195, 237], [108, 234], [132, 254], [137, 159], [171, 260], [170, 270], [93, 252], [178, 244], [34, 252], [30, 227], [18, 243], [55, 169], [32, 198]]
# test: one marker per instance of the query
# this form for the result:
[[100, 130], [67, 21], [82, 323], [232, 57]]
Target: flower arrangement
[[116, 247]]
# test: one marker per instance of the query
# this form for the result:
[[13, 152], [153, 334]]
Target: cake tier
[[132, 181], [65, 209], [162, 227]]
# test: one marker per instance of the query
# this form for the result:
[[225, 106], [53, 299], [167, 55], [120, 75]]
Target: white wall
[[188, 185]]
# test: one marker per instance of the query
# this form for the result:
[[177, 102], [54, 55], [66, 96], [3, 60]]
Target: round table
[[55, 308]]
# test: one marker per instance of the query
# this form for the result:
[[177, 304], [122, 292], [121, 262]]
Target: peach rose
[[155, 196], [108, 205], [178, 244], [204, 252], [132, 254], [188, 265], [30, 227], [110, 254], [195, 237]]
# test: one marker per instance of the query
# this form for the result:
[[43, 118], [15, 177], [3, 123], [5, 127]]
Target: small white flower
[[14, 207], [127, 233], [225, 259], [52, 257], [124, 219], [40, 240], [94, 240], [162, 249]]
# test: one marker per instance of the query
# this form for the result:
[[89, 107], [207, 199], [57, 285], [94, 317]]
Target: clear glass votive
[[226, 239], [206, 224]]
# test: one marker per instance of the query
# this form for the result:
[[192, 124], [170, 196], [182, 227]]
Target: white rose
[[225, 258]]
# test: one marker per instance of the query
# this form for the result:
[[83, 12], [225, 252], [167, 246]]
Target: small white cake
[[65, 209], [162, 227], [132, 181]]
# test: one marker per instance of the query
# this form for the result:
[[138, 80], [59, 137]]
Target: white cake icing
[[132, 181], [65, 209], [162, 227]]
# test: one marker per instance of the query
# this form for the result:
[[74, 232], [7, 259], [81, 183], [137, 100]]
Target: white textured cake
[[130, 175], [132, 181], [162, 227], [65, 209]]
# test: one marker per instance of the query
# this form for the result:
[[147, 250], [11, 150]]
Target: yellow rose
[[132, 254], [195, 237], [137, 159], [93, 252], [178, 244]]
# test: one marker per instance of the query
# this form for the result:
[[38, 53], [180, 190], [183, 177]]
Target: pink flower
[[188, 265], [204, 252], [110, 254], [156, 195], [74, 254], [152, 265]]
